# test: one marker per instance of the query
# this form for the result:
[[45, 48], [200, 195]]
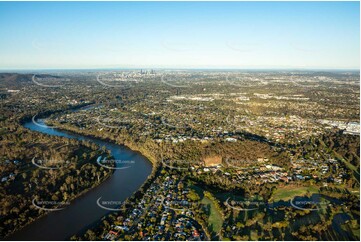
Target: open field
[[287, 193], [215, 219]]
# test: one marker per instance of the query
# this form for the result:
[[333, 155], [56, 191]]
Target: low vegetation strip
[[288, 193]]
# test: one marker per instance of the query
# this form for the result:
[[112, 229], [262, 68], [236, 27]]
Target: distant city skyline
[[184, 35]]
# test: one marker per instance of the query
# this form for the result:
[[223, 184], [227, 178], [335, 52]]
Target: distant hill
[[13, 80]]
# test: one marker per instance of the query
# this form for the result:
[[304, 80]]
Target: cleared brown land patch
[[212, 160]]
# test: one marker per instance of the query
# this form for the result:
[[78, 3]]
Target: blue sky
[[38, 35]]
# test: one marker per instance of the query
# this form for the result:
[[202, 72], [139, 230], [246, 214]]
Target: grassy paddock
[[289, 192], [215, 219]]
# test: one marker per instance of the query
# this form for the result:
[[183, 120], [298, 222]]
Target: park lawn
[[215, 219], [287, 193]]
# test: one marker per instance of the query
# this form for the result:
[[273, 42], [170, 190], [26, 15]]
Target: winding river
[[84, 211]]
